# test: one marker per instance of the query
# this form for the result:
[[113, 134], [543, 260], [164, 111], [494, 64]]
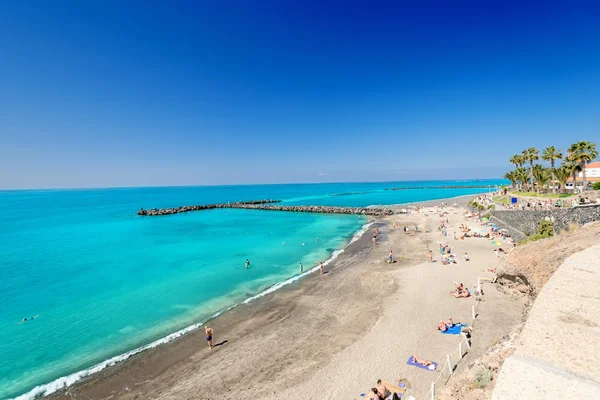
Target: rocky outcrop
[[269, 205]]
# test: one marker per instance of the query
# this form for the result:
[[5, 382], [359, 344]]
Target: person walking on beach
[[247, 263], [375, 238], [322, 268], [430, 256], [390, 258], [209, 336]]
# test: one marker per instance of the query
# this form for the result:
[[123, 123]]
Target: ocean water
[[104, 281]]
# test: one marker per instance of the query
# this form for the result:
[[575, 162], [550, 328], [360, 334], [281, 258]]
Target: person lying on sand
[[423, 362], [444, 325], [385, 388], [462, 294], [374, 395]]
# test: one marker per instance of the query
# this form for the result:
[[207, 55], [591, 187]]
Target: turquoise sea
[[104, 281]]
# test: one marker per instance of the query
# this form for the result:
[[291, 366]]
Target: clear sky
[[102, 93]]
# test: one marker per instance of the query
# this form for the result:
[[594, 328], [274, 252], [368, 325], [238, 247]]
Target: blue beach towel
[[411, 361], [454, 330]]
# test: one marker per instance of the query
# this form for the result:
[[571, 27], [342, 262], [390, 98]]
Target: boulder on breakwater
[[270, 205]]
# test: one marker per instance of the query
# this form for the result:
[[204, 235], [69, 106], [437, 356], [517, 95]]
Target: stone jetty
[[271, 206]]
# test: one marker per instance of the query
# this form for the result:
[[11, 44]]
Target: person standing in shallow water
[[247, 263], [209, 336], [301, 268]]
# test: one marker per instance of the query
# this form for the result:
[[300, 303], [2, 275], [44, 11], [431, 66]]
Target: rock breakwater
[[271, 206]]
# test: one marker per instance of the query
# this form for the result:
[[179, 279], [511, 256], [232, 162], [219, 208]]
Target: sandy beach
[[332, 336]]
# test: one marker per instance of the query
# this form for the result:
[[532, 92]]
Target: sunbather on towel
[[374, 395], [423, 362], [385, 388], [462, 293], [444, 325]]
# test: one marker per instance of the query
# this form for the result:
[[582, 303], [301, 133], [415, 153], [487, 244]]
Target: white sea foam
[[66, 381]]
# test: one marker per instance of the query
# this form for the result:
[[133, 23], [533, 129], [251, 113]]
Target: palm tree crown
[[551, 154], [582, 153], [531, 154]]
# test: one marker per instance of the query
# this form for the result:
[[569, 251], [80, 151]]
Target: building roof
[[593, 165]]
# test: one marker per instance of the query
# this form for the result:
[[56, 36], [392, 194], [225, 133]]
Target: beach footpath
[[559, 348]]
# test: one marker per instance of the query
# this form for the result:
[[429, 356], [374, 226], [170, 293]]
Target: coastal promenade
[[270, 206], [560, 343]]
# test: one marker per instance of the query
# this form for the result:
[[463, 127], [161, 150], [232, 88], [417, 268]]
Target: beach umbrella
[[497, 243]]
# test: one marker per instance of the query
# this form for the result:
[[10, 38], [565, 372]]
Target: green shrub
[[545, 228], [596, 186], [483, 378]]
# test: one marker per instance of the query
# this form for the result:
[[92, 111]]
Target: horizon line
[[240, 184]]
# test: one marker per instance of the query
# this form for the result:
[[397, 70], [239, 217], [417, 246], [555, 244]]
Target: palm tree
[[522, 176], [531, 155], [573, 168], [541, 175], [562, 176], [551, 154], [582, 153], [511, 176], [517, 159]]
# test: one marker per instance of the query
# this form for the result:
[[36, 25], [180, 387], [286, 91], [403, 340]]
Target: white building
[[592, 170]]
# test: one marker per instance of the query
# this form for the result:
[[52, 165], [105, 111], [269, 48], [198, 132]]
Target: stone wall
[[521, 223]]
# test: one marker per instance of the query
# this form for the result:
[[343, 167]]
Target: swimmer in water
[[317, 241], [27, 320], [247, 263]]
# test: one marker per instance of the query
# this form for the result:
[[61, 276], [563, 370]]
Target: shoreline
[[350, 312], [57, 387], [66, 382]]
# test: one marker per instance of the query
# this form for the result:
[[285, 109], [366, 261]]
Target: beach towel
[[411, 361], [454, 330], [402, 385]]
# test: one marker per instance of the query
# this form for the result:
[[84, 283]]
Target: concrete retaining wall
[[521, 223]]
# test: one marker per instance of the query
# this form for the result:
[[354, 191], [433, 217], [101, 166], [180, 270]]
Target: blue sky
[[180, 93]]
